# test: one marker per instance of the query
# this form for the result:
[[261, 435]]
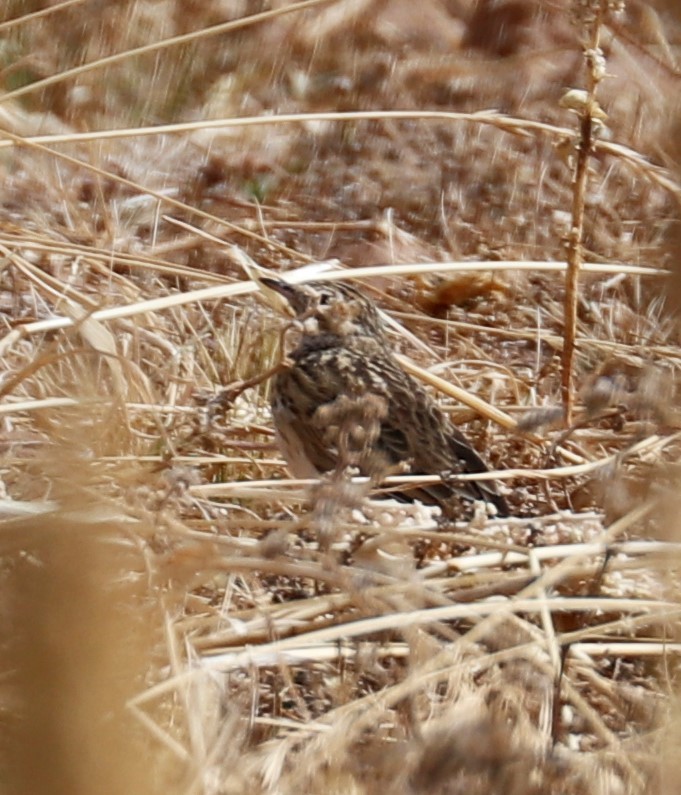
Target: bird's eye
[[324, 299]]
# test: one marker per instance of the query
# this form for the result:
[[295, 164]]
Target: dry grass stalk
[[79, 632], [593, 17]]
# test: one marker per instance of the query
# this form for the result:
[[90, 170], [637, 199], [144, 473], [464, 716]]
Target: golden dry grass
[[171, 621]]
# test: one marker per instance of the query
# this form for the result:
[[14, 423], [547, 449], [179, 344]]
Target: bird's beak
[[296, 296], [279, 286], [274, 290]]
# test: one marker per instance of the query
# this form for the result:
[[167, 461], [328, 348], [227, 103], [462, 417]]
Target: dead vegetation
[[159, 565]]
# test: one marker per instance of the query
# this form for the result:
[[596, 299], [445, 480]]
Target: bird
[[343, 399]]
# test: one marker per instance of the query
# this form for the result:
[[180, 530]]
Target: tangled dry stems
[[530, 654]]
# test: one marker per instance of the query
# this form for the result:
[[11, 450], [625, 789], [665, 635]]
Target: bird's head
[[329, 308]]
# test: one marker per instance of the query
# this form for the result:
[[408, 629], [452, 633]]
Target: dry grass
[[161, 570]]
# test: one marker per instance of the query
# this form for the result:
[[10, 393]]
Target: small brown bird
[[344, 398]]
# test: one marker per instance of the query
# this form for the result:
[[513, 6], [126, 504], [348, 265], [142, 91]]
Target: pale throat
[[339, 319]]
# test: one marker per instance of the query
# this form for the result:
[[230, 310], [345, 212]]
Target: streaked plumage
[[344, 383]]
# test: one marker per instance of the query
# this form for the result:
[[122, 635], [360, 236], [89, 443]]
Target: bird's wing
[[413, 429], [418, 432]]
